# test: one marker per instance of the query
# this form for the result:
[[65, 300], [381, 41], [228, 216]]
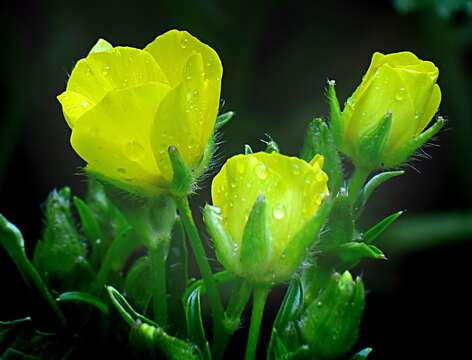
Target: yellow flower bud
[[126, 106], [398, 85], [263, 204]]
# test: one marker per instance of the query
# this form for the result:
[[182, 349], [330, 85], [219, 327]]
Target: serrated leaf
[[362, 355], [195, 329], [81, 297], [13, 242], [375, 231]]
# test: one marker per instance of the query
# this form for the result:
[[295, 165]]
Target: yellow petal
[[118, 68], [74, 105], [400, 59], [113, 137], [431, 109], [383, 96], [172, 51], [101, 46], [292, 187], [186, 117]]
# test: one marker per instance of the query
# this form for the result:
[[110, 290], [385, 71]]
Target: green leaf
[[351, 253], [61, 246], [16, 321], [147, 334], [223, 119], [288, 314], [256, 244], [138, 284], [335, 115], [81, 297], [90, 226], [373, 184], [375, 231], [177, 276], [341, 222], [195, 329], [362, 355], [13, 242]]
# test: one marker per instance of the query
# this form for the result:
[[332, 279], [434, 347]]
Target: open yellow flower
[[397, 84], [126, 106], [278, 196]]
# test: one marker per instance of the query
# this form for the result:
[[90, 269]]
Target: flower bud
[[266, 214], [127, 106], [331, 322], [383, 121]]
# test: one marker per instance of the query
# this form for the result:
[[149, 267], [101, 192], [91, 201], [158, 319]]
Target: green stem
[[158, 264], [260, 297], [358, 179], [205, 270], [237, 303]]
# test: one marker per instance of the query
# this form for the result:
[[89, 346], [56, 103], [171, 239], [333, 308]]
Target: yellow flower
[[291, 191], [402, 86], [126, 106]]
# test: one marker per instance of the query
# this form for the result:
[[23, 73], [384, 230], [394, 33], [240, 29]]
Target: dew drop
[[309, 179], [295, 169], [106, 69], [84, 104], [125, 82], [399, 97], [279, 212], [121, 170], [233, 185], [261, 171], [184, 42]]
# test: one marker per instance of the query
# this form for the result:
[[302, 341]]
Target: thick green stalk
[[159, 298], [358, 179], [260, 297], [207, 275]]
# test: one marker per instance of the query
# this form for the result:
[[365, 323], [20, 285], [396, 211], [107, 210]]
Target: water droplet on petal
[[184, 42], [279, 212], [84, 104], [295, 169], [261, 171], [121, 170], [134, 149]]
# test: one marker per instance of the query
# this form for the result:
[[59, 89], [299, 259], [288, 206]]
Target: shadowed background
[[277, 56]]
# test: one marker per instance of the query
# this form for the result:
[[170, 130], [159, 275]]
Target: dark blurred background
[[277, 56]]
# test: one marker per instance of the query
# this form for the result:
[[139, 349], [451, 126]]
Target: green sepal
[[247, 149], [223, 119], [61, 247], [372, 185], [147, 336], [195, 329], [256, 250], [369, 154], [303, 241], [330, 325], [182, 180], [271, 145], [177, 276], [335, 115], [375, 231], [101, 46], [418, 141], [283, 331], [83, 298], [362, 355], [340, 223], [138, 284], [319, 140], [12, 240], [222, 240], [351, 253], [314, 279]]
